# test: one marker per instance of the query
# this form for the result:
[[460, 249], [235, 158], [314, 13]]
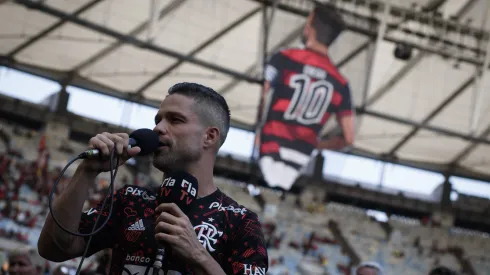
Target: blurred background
[[411, 194]]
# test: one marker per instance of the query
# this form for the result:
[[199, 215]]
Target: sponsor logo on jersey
[[229, 208], [249, 269], [137, 259], [208, 235], [133, 232], [137, 226], [139, 193]]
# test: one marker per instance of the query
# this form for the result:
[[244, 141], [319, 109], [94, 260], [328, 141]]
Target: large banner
[[304, 88]]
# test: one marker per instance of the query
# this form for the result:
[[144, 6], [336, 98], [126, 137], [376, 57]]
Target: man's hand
[[105, 142], [174, 228]]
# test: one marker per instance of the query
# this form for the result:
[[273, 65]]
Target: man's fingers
[[120, 143], [134, 151], [103, 144], [167, 218], [167, 228], [166, 238], [170, 208]]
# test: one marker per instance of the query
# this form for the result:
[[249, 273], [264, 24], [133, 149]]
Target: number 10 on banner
[[310, 99]]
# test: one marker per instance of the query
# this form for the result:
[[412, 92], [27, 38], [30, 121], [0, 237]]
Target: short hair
[[374, 265], [211, 107], [328, 23], [31, 253]]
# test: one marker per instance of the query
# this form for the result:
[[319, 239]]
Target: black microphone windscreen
[[146, 139], [180, 188]]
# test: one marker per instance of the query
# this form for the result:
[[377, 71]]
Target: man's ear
[[211, 137]]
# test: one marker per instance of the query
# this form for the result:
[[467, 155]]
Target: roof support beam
[[466, 151], [51, 28], [371, 56], [132, 40], [136, 31], [481, 78], [434, 113], [198, 49], [435, 129]]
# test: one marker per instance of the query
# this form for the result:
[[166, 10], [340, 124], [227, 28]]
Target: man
[[369, 268], [25, 262], [217, 237], [302, 89]]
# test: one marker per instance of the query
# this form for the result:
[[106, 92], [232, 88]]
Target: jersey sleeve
[[272, 68], [248, 250], [346, 107], [105, 237]]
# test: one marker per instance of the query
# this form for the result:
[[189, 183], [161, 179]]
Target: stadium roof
[[431, 111]]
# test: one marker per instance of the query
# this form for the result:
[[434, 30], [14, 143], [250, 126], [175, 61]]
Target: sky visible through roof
[[239, 142]]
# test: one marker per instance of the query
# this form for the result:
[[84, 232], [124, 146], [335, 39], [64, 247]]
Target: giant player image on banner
[[302, 90]]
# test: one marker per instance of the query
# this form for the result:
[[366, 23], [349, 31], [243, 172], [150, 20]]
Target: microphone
[[180, 188], [146, 139]]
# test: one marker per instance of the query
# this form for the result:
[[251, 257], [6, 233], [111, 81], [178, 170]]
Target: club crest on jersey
[[208, 235], [139, 193], [229, 208]]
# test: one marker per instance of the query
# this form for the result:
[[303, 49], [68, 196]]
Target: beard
[[178, 156]]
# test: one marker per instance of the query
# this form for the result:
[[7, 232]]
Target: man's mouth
[[162, 144]]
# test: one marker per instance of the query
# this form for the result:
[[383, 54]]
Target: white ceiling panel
[[127, 68], [68, 47], [378, 135], [18, 24], [429, 147], [423, 88], [187, 73]]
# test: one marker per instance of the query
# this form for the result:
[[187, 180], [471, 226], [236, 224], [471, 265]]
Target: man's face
[[179, 128], [21, 265], [367, 271]]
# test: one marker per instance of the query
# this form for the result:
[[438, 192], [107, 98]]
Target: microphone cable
[[113, 173]]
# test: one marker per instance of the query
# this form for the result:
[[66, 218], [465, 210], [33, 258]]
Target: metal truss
[[441, 45]]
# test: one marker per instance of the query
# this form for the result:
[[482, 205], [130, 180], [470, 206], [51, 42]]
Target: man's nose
[[161, 127]]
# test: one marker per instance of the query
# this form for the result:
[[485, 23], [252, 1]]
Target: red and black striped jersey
[[305, 90]]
